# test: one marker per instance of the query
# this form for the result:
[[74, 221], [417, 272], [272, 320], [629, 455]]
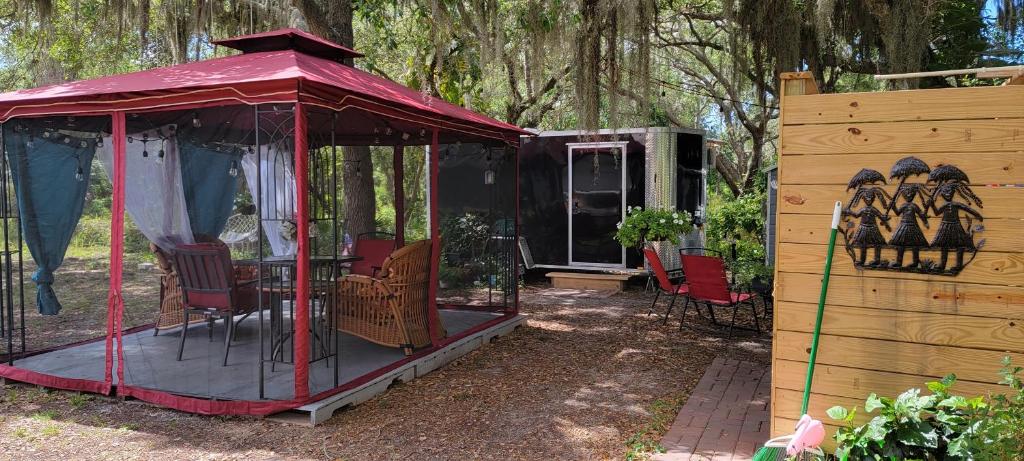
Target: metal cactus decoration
[[944, 191]]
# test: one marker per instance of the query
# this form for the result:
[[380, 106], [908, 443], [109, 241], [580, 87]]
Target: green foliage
[[642, 226], [939, 426], [738, 221]]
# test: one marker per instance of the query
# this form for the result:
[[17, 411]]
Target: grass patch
[[21, 433], [48, 415], [647, 441], [79, 400], [51, 430]]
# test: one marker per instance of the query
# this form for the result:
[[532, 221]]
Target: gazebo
[[177, 144]]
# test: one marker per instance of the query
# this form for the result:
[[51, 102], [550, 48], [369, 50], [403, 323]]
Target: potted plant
[[647, 226]]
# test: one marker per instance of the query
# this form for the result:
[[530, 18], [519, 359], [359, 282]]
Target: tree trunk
[[332, 19], [359, 199]]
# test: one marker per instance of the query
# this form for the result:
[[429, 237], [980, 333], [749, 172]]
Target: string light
[[195, 120], [79, 175], [233, 171]]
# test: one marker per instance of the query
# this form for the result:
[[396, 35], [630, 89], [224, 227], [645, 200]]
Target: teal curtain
[[50, 193], [209, 187]]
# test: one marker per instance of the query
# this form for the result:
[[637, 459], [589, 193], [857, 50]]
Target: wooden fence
[[887, 331]]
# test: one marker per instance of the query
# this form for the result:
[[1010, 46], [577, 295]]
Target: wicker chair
[[389, 310]]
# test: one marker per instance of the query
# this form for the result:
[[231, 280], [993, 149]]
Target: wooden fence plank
[[987, 267], [871, 354], [982, 167], [857, 384], [787, 405], [905, 326], [1001, 235], [905, 137], [999, 202], [940, 297], [937, 104]]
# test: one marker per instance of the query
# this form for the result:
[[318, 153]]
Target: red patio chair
[[209, 288], [709, 285], [674, 284], [374, 248]]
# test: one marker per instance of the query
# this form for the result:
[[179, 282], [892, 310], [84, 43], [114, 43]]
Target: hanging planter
[[648, 226]]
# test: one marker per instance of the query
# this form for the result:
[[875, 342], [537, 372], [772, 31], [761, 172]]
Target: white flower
[[618, 225], [675, 215], [662, 221]]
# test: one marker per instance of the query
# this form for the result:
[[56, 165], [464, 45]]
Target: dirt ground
[[591, 376]]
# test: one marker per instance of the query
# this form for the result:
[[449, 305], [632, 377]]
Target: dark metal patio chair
[[209, 288], [709, 285]]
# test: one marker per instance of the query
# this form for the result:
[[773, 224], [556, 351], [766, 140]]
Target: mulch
[[590, 377]]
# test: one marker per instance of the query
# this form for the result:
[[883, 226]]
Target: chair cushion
[[736, 298], [373, 252]]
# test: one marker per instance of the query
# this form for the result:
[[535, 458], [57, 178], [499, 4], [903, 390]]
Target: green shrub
[[738, 221], [95, 232], [940, 426]]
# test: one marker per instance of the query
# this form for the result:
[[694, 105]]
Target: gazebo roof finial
[[289, 39]]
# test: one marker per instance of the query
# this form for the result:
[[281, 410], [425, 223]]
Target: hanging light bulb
[[79, 175], [388, 131], [423, 132], [195, 120], [131, 140], [160, 157], [233, 171], [99, 141], [489, 176], [144, 153], [46, 134], [67, 140], [83, 144], [405, 136]]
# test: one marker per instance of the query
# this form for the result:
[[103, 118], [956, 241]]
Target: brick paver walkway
[[726, 416]]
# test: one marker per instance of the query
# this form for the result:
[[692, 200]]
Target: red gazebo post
[[398, 165], [301, 320], [115, 303]]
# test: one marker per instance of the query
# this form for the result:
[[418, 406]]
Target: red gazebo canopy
[[282, 66]]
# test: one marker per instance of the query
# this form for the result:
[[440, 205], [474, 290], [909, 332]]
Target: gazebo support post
[[301, 320], [515, 244], [115, 304], [398, 164], [433, 319]]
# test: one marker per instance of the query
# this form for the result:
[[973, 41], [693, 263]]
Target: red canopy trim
[[194, 99]]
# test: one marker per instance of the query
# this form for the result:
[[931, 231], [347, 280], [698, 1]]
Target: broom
[[775, 449]]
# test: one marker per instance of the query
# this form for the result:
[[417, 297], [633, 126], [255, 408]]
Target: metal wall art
[[911, 236]]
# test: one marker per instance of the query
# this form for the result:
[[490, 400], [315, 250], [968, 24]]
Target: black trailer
[[575, 188]]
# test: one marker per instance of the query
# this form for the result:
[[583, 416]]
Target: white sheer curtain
[[277, 183], [154, 196]]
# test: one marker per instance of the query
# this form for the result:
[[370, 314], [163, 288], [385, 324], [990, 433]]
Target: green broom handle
[[821, 307]]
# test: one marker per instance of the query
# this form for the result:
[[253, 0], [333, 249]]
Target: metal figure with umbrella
[[868, 235], [908, 234], [951, 236]]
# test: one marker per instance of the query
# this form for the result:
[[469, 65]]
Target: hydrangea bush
[[642, 226]]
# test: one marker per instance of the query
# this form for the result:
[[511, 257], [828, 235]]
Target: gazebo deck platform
[[151, 362]]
